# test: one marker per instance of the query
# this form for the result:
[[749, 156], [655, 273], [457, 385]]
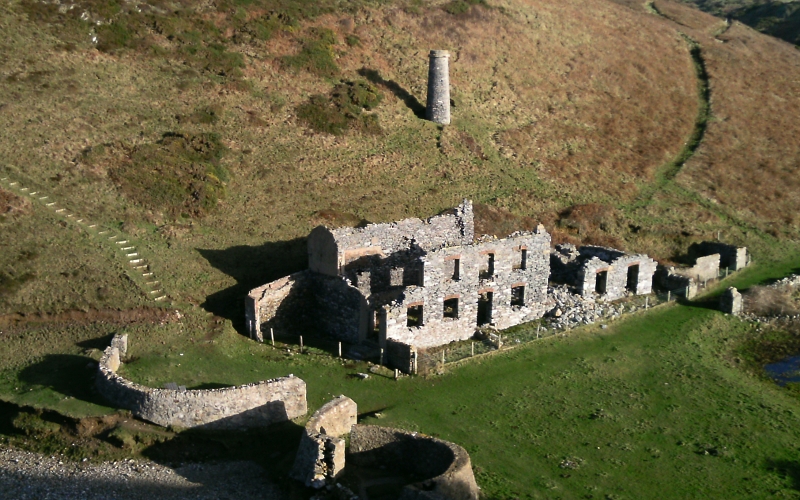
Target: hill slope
[[195, 129]]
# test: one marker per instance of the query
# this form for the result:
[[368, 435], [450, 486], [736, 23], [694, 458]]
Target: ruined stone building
[[408, 284], [606, 272]]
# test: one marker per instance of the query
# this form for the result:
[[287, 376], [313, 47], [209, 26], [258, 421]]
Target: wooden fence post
[[301, 344], [272, 337], [340, 349]]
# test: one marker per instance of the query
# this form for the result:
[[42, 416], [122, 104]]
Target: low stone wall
[[321, 454], [669, 279], [731, 256], [443, 469], [704, 269], [242, 407]]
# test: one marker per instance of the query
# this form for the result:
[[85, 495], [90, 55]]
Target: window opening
[[456, 269], [414, 316], [633, 278], [375, 326], [600, 282], [485, 308], [451, 308], [523, 259], [518, 296], [488, 271]]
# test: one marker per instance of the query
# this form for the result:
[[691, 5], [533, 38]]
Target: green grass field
[[658, 402]]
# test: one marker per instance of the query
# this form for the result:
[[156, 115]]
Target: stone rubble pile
[[569, 310]]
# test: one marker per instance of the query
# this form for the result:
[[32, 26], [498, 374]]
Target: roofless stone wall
[[242, 407]]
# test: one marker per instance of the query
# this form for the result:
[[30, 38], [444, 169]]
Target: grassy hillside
[[192, 128]]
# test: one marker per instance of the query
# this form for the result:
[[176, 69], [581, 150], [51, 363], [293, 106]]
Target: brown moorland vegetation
[[564, 113]]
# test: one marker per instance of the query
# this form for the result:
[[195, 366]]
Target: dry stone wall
[[242, 407], [705, 268], [443, 469]]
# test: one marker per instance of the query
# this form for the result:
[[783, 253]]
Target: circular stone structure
[[438, 105]]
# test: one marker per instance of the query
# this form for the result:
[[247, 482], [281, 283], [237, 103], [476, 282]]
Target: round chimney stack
[[438, 108]]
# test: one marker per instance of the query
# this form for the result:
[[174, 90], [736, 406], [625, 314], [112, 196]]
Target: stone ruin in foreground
[[422, 283]]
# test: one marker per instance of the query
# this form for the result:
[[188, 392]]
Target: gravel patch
[[25, 475]]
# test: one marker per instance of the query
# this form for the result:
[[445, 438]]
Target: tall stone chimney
[[438, 108]]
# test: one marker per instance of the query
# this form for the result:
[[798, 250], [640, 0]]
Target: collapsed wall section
[[321, 455], [441, 470], [730, 256], [331, 249], [310, 301], [243, 407]]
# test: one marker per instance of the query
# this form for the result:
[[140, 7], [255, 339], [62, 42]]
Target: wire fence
[[433, 360], [486, 340]]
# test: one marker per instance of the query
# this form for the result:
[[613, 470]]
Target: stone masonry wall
[[617, 275], [439, 285], [731, 256], [446, 467], [321, 455], [731, 301], [263, 304], [243, 407], [331, 249], [704, 269], [340, 307]]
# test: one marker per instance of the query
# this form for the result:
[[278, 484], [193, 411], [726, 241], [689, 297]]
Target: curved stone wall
[[242, 407], [443, 469]]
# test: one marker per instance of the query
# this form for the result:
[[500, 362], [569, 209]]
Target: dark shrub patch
[[343, 109], [457, 7], [179, 174]]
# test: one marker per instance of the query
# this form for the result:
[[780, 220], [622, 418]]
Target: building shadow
[[251, 266], [395, 88], [273, 448], [67, 374]]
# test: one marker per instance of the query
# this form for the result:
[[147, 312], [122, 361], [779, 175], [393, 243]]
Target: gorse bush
[[342, 110]]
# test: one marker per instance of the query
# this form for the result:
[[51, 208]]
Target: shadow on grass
[[251, 266], [787, 469], [274, 448], [704, 303], [395, 88], [100, 343], [66, 374]]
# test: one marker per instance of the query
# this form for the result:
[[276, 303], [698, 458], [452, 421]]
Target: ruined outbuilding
[[409, 284], [609, 273]]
